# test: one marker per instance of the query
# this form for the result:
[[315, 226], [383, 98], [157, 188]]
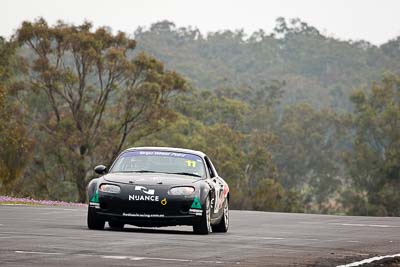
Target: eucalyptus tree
[[96, 96], [374, 162]]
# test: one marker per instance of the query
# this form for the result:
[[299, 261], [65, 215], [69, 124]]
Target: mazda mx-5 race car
[[159, 186]]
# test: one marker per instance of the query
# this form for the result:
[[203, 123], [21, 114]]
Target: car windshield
[[160, 161]]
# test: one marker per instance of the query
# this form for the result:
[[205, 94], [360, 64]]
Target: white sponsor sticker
[[144, 190], [196, 212], [143, 215], [144, 198], [94, 204]]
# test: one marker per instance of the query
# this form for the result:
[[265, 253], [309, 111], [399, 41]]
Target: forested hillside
[[294, 120], [317, 69]]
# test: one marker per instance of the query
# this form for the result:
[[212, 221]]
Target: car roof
[[169, 149]]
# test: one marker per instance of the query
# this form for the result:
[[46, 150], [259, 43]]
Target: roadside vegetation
[[295, 121], [5, 200]]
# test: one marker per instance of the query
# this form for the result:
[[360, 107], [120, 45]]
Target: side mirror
[[100, 169]]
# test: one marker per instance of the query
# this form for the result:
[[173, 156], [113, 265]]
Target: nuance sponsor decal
[[144, 198], [143, 215], [149, 195], [144, 190]]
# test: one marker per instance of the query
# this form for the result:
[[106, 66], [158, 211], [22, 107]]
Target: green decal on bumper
[[95, 197], [196, 204]]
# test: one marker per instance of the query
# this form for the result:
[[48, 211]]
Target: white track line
[[38, 252], [136, 258], [273, 238], [117, 257], [166, 259], [366, 225], [142, 258], [358, 263]]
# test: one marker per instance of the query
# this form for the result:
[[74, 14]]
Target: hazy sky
[[371, 20]]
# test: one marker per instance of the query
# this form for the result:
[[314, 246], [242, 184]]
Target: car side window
[[213, 168], [210, 168]]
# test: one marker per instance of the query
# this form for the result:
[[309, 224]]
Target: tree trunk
[[82, 190], [80, 177]]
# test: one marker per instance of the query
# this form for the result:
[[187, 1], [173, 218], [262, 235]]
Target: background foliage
[[294, 120]]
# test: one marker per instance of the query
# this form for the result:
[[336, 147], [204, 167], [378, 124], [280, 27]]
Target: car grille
[[118, 206]]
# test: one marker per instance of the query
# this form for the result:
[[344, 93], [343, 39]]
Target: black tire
[[203, 226], [223, 225], [94, 222], [116, 225]]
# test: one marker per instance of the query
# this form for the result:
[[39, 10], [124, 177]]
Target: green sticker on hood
[[95, 197], [196, 204]]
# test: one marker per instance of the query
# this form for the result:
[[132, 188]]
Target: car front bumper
[[174, 211]]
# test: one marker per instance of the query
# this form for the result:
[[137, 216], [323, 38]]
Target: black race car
[[159, 186]]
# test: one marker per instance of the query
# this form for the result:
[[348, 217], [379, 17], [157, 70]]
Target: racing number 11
[[191, 163]]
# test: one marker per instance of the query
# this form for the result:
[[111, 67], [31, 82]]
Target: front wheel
[[204, 225], [223, 225], [94, 222]]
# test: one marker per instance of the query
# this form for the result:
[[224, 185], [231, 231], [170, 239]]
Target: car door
[[218, 186]]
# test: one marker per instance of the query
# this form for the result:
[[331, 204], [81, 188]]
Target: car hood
[[150, 178]]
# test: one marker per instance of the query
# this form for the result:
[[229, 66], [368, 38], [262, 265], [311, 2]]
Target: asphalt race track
[[57, 236]]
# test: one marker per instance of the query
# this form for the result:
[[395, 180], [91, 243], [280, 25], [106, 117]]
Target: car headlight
[[110, 188], [181, 190]]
